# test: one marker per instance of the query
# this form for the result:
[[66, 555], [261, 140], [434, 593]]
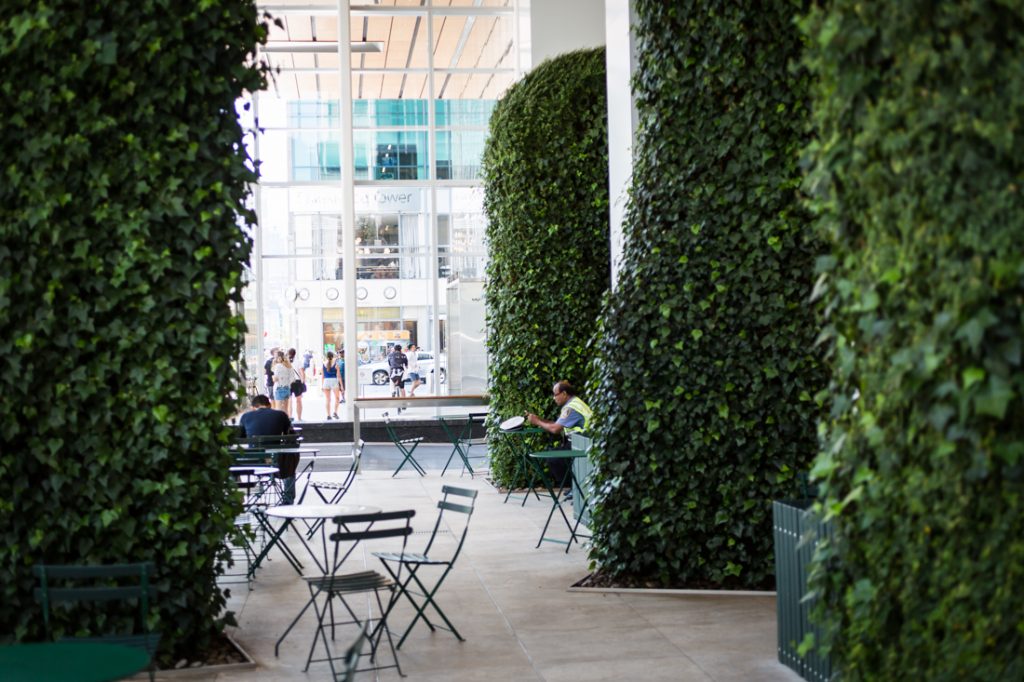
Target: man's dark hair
[[565, 387], [260, 400], [398, 348]]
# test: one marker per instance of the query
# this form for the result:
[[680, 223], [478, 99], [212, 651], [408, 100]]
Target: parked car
[[377, 373]]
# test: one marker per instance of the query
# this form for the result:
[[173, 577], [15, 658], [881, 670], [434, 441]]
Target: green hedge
[[545, 169], [121, 257], [918, 176], [706, 378]]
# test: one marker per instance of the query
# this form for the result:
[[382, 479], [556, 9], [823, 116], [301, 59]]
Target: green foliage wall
[[545, 169], [919, 164], [121, 256], [707, 373]]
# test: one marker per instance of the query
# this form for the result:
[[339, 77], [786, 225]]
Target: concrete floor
[[511, 603]]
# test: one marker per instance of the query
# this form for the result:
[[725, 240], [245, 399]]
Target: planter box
[[796, 535], [581, 469]]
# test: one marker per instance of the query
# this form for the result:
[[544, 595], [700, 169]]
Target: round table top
[[558, 454], [320, 511], [255, 470], [80, 661], [512, 423]]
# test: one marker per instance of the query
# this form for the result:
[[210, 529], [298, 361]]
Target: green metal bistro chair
[[464, 441], [414, 562], [286, 461], [283, 441], [406, 446], [64, 585], [347, 585], [336, 489]]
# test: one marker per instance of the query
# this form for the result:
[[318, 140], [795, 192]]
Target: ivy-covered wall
[[917, 180], [545, 170], [705, 393], [121, 256]]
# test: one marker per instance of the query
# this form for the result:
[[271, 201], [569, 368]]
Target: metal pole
[[348, 217]]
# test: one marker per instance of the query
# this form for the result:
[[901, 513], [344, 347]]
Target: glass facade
[[424, 82]]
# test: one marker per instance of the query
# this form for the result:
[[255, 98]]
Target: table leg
[[275, 538], [555, 504]]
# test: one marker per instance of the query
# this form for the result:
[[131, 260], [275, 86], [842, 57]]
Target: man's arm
[[554, 428]]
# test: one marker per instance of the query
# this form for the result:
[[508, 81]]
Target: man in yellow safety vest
[[573, 417]]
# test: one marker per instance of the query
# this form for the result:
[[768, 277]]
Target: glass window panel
[[459, 154], [394, 154], [314, 156], [394, 283], [461, 231], [389, 113], [459, 113]]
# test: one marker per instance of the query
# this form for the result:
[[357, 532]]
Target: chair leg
[[320, 632], [428, 600], [383, 624], [312, 600], [403, 589]]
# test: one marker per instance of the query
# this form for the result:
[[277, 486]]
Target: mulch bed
[[221, 652], [604, 580]]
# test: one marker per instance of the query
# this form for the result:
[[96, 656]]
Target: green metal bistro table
[[459, 429], [568, 477], [65, 661], [289, 513], [523, 464]]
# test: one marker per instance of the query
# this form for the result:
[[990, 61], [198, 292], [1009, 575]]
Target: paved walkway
[[511, 603]]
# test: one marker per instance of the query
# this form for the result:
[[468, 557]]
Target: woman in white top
[[413, 368], [283, 378], [300, 375]]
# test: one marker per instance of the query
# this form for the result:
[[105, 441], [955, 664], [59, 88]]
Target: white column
[[348, 214], [620, 17]]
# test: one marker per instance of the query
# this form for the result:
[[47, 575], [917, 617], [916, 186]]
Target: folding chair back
[[331, 492], [341, 487], [381, 526], [451, 504], [413, 585], [283, 441], [84, 585], [256, 456]]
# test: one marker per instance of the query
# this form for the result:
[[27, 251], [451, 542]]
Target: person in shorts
[[332, 384], [397, 361], [412, 370]]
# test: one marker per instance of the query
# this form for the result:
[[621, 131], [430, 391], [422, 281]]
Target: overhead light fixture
[[321, 46]]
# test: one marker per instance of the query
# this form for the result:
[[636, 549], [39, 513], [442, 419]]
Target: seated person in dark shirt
[[263, 420]]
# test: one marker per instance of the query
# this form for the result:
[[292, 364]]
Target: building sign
[[383, 335], [379, 200]]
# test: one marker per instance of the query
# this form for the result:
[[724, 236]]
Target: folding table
[[70, 660], [568, 477], [308, 512]]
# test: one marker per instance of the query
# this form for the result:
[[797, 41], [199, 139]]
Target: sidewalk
[[510, 602]]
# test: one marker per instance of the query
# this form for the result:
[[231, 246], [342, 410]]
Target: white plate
[[512, 423]]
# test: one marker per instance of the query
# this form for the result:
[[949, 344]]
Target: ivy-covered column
[[545, 170], [707, 374], [918, 181], [122, 198]]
